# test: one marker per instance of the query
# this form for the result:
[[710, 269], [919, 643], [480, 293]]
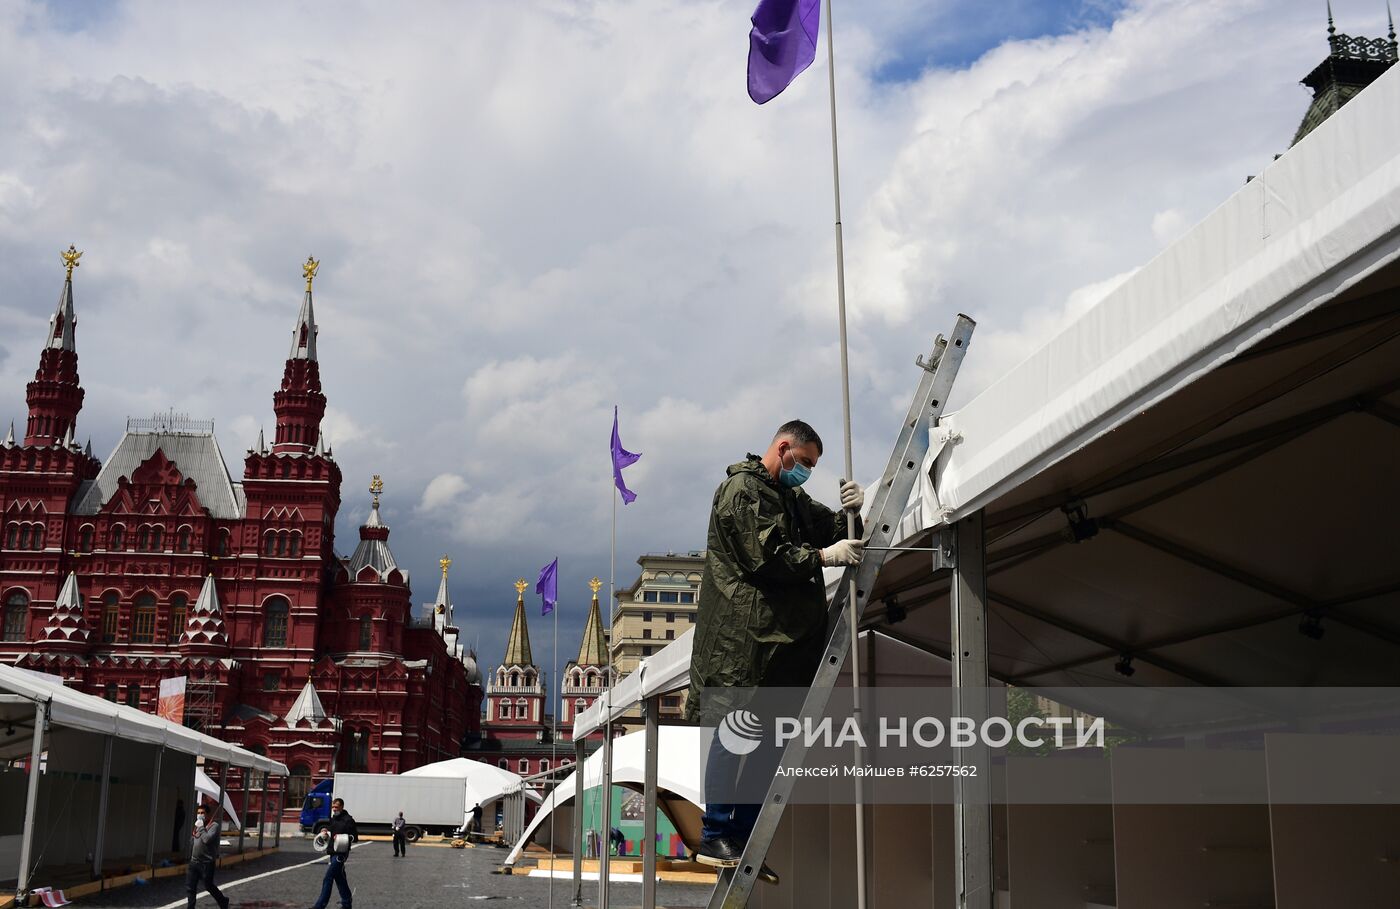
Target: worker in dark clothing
[[761, 617], [204, 856], [400, 837], [342, 823], [619, 841]]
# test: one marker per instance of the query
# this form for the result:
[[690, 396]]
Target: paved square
[[429, 876]]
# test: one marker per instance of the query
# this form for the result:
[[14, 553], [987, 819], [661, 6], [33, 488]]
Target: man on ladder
[[761, 619]]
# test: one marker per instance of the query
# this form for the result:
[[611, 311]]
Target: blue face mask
[[794, 477]]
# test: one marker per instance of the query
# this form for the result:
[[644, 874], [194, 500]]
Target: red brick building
[[157, 563]]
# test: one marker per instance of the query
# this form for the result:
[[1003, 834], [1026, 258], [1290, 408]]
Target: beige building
[[657, 608]]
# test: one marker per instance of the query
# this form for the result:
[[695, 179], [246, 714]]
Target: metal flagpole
[[553, 756], [606, 838], [846, 426]]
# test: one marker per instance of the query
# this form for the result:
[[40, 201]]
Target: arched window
[[359, 751], [503, 764], [143, 623], [157, 538], [143, 538], [298, 784], [12, 536], [269, 543], [179, 606], [275, 622], [37, 541], [281, 543], [182, 539], [580, 705], [503, 708], [118, 537], [522, 710], [366, 632], [514, 679], [544, 765], [16, 625], [111, 616], [286, 468], [294, 545], [524, 765], [24, 536], [225, 542], [85, 538]]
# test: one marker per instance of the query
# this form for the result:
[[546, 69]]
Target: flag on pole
[[782, 44], [621, 458], [548, 587]]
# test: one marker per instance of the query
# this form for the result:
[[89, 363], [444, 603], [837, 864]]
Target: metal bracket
[[945, 554], [940, 344]]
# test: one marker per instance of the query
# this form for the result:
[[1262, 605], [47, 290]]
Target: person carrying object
[[762, 612], [342, 825], [204, 857]]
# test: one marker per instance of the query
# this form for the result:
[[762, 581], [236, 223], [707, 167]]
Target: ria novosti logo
[[740, 732]]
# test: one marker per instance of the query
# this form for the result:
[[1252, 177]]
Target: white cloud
[[442, 490], [530, 212]]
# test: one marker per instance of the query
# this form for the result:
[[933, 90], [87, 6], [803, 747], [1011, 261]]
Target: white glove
[[852, 496], [846, 552]]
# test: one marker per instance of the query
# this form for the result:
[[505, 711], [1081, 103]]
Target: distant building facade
[[654, 610], [158, 564]]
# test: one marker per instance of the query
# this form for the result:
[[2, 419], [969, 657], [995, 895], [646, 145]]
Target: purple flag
[[782, 44], [548, 587], [621, 458]]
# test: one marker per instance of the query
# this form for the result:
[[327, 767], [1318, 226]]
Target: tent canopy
[[21, 690], [678, 776], [485, 782]]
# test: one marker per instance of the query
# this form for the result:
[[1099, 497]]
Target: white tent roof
[[666, 670], [93, 714], [485, 782], [678, 772], [207, 787]]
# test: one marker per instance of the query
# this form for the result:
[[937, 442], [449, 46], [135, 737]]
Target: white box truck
[[429, 804]]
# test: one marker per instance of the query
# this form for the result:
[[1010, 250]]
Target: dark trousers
[[400, 843], [727, 776], [201, 874], [335, 871]]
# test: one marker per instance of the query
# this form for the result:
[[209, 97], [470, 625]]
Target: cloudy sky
[[528, 212]]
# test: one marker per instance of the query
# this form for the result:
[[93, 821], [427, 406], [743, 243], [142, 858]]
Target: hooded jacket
[[761, 618]]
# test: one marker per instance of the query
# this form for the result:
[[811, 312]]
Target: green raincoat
[[761, 619]]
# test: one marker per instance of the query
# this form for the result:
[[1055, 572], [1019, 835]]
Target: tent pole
[[972, 813], [243, 815], [652, 707], [218, 812], [262, 809], [155, 799], [31, 802], [277, 818], [102, 809], [579, 758]]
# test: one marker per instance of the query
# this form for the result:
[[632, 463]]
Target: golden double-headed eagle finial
[[376, 489], [308, 271], [595, 585], [446, 563], [70, 259], [520, 586]]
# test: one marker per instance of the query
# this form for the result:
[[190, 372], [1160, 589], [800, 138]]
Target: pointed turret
[[10, 436], [1352, 64], [66, 628], [593, 651], [307, 707], [373, 551], [299, 403], [55, 396], [204, 629], [518, 645]]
